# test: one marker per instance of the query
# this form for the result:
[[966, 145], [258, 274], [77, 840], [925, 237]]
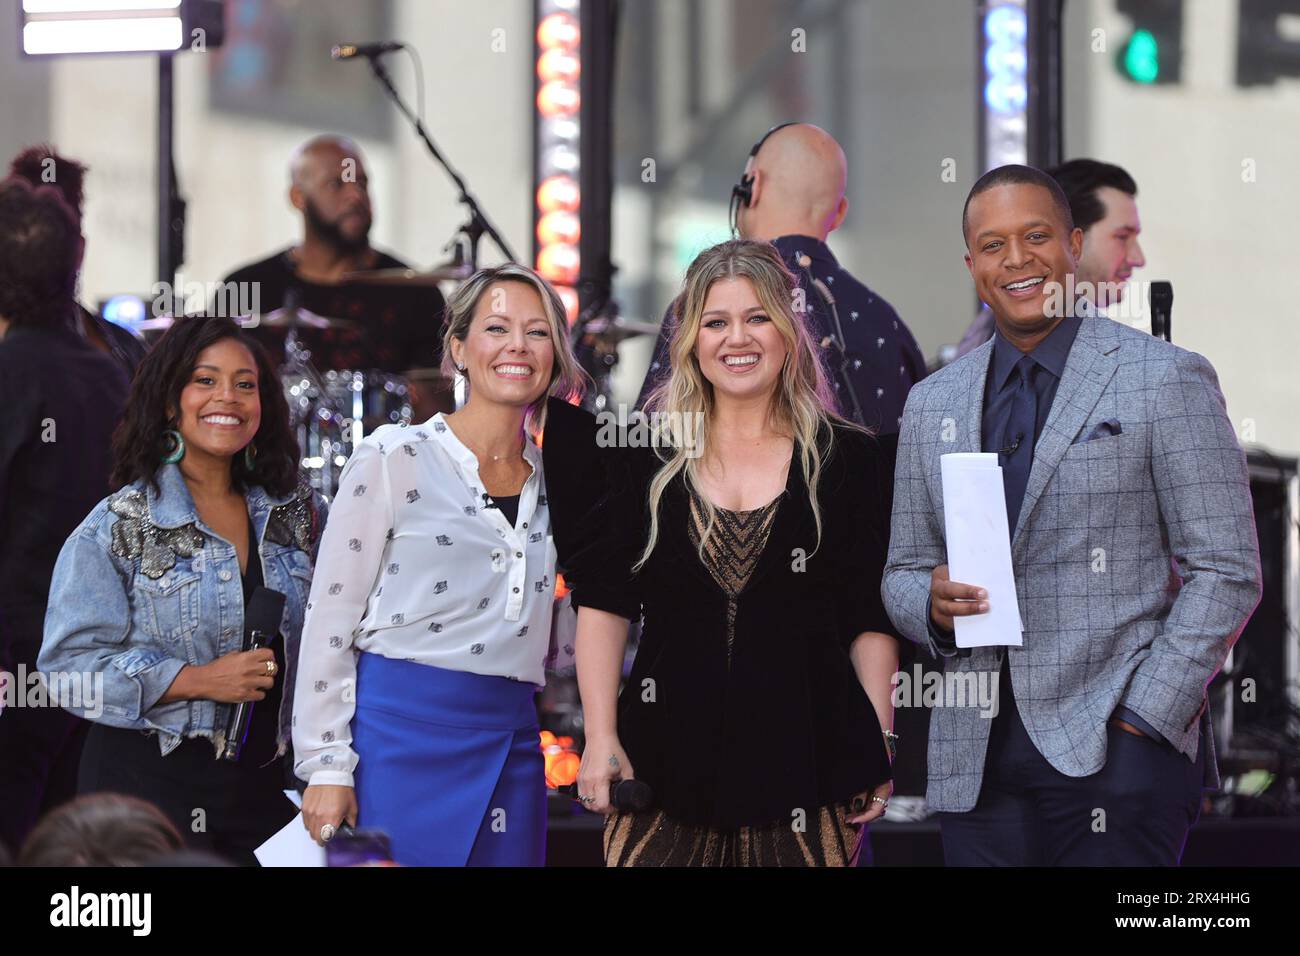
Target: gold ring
[[271, 668]]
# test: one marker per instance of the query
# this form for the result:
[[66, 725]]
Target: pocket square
[[1107, 429]]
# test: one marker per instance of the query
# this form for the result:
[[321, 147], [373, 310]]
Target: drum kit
[[332, 410]]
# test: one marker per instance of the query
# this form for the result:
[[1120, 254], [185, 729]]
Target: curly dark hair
[[40, 252], [139, 445], [35, 163]]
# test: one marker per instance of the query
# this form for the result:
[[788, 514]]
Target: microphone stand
[[477, 224]]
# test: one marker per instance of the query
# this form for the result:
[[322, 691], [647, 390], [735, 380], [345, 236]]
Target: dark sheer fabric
[[780, 723]]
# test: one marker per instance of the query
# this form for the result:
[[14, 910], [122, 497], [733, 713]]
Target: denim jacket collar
[[172, 505]]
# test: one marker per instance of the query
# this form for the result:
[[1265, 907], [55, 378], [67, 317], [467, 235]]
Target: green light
[[1142, 57]]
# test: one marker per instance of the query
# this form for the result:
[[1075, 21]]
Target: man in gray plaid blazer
[[1134, 550]]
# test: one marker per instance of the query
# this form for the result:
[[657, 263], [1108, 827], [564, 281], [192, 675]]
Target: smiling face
[[1017, 247], [508, 351], [739, 347], [1110, 246], [220, 409]]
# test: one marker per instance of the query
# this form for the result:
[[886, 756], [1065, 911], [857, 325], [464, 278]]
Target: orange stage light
[[559, 30], [558, 192]]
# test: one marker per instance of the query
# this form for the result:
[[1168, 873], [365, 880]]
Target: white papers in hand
[[292, 845], [979, 546]]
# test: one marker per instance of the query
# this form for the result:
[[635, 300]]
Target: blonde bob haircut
[[803, 404], [568, 380]]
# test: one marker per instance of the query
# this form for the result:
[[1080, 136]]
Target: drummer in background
[[397, 327]]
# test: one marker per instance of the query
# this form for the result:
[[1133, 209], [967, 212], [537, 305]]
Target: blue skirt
[[449, 765]]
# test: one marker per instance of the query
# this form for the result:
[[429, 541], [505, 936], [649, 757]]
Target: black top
[[783, 724], [509, 506], [884, 361], [60, 399], [260, 745], [399, 327]]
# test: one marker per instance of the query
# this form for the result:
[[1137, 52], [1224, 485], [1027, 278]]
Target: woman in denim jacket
[[148, 597]]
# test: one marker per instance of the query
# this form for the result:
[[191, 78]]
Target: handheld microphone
[[1162, 308], [261, 622], [348, 51], [626, 795]]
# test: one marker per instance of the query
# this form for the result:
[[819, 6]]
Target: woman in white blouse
[[430, 608]]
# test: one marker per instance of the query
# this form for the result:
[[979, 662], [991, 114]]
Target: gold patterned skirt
[[653, 838]]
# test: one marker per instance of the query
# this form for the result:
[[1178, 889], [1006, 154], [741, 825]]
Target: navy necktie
[[1016, 454]]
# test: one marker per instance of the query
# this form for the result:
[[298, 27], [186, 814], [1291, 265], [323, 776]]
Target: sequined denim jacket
[[143, 587]]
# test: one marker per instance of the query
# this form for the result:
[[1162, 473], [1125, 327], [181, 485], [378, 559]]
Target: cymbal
[[287, 318], [617, 329], [410, 277]]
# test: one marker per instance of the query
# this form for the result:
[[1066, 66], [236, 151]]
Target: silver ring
[[327, 832], [588, 800]]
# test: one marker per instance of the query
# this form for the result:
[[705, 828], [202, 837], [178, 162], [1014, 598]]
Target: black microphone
[[348, 51], [261, 622], [1162, 308], [626, 795]]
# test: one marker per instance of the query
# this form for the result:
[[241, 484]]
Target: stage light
[[558, 192], [561, 159], [558, 64], [558, 227], [127, 311], [558, 99], [557, 148], [559, 30], [53, 27], [1005, 84], [558, 262]]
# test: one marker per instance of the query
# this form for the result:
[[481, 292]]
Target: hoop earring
[[250, 456], [177, 451]]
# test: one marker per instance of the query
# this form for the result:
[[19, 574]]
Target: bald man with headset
[[792, 194]]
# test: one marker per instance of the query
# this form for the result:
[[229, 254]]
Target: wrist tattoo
[[613, 762]]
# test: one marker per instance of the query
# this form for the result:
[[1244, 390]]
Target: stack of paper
[[979, 546]]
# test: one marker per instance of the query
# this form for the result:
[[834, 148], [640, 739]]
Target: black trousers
[[1135, 811], [219, 807]]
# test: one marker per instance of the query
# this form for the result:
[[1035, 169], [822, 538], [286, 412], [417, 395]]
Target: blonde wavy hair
[[568, 380], [803, 404]]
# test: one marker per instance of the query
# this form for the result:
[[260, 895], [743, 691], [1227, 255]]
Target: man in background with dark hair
[[60, 399], [42, 166], [1103, 202], [1133, 550]]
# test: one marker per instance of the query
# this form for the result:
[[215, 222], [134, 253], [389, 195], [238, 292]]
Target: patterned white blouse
[[412, 566]]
